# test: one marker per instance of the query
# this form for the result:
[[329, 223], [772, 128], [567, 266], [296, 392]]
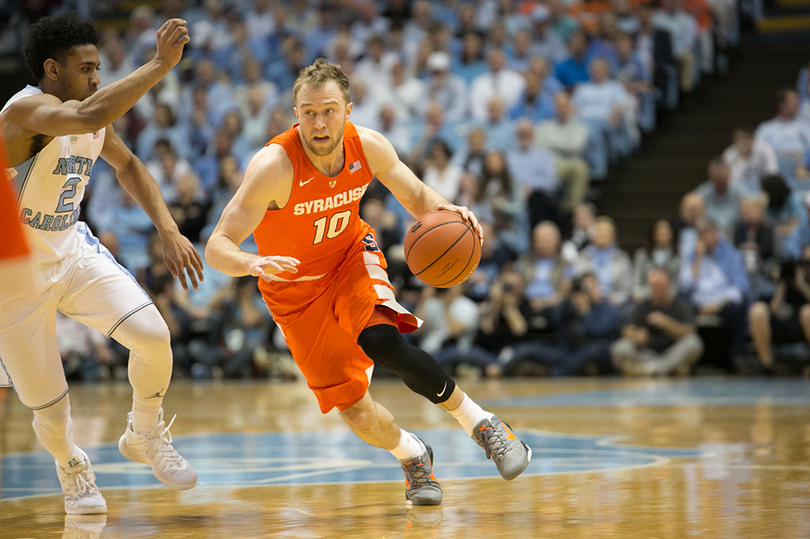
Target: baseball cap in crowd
[[438, 61]]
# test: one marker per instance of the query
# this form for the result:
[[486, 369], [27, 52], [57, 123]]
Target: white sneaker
[[155, 449], [79, 487]]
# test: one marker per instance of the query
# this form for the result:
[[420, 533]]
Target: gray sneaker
[[511, 456], [422, 486]]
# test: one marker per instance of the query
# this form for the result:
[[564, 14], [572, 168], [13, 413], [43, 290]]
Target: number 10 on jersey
[[337, 224]]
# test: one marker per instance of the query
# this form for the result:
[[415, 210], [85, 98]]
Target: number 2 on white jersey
[[337, 224]]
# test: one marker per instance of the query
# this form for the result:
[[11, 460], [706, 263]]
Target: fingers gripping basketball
[[442, 249]]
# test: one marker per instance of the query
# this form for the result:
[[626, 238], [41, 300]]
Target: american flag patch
[[354, 167]]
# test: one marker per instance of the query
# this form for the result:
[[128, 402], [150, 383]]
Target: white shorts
[[88, 286]]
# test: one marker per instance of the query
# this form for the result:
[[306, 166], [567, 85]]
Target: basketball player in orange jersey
[[324, 280]]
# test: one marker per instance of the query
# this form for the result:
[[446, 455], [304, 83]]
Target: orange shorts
[[322, 319]]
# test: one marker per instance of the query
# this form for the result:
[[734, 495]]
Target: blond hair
[[319, 74]]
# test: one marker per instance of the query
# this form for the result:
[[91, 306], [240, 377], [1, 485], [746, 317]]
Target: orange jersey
[[12, 240], [321, 221], [341, 278]]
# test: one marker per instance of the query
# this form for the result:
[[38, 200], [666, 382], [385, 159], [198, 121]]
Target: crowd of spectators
[[514, 108]]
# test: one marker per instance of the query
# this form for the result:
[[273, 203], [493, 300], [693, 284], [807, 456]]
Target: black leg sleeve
[[420, 372]]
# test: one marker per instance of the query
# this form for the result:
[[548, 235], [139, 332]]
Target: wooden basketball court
[[705, 457]]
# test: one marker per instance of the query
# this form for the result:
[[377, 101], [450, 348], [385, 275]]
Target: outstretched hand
[[271, 265], [465, 212], [171, 38], [181, 257]]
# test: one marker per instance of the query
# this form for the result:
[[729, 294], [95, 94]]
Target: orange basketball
[[442, 249]]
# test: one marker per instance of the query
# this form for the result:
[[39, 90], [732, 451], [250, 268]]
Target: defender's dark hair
[[52, 37]]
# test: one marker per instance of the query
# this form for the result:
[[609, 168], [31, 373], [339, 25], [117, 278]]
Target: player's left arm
[[412, 193], [180, 255]]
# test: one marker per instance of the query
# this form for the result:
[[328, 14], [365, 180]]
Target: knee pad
[[420, 372]]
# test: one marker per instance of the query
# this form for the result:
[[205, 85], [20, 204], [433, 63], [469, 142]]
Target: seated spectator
[[407, 93], [535, 104], [519, 53], [365, 110], [256, 116], [800, 237], [376, 64], [637, 80], [611, 265], [389, 126], [540, 68], [499, 81], [714, 279], [683, 29], [495, 254], [754, 237], [536, 174], [499, 128], [284, 70], [440, 173], [118, 62], [471, 157], [661, 337], [722, 199], [451, 318], [162, 127], [661, 251], [567, 139], [545, 42], [584, 324], [471, 64], [785, 209], [126, 233], [252, 81], [789, 136], [692, 209], [435, 127], [786, 318], [749, 160], [583, 230], [445, 88], [245, 324], [240, 145], [607, 109], [561, 23], [603, 41], [190, 208], [547, 274], [504, 320], [506, 201], [655, 47], [574, 70]]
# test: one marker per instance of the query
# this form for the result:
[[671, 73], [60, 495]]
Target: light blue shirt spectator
[[721, 278], [723, 208], [534, 168]]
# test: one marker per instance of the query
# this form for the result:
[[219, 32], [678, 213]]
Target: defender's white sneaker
[[155, 449], [79, 487]]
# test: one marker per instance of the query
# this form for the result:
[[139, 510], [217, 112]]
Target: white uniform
[[75, 273]]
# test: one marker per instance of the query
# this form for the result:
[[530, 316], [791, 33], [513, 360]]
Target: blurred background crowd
[[518, 109]]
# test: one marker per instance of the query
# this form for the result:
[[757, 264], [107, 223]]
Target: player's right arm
[[267, 185], [47, 115]]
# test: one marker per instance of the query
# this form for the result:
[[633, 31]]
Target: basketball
[[442, 249]]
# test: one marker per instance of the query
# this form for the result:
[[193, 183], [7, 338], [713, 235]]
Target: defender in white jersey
[[54, 133]]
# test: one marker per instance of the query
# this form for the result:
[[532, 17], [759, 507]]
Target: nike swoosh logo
[[303, 183], [443, 390]]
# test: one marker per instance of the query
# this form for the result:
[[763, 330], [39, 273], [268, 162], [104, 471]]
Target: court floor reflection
[[613, 458]]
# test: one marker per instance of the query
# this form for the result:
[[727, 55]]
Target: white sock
[[409, 446], [144, 418], [469, 414]]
